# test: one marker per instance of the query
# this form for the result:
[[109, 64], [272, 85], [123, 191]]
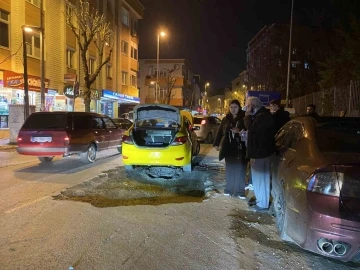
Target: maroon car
[[316, 185], [49, 134]]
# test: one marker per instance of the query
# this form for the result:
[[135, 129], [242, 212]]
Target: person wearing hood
[[260, 148], [281, 117], [230, 146]]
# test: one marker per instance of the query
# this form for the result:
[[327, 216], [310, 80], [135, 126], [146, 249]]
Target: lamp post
[[157, 64], [289, 56], [205, 93], [29, 29], [26, 81]]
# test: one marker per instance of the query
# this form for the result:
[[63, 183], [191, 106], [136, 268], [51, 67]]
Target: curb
[[8, 146]]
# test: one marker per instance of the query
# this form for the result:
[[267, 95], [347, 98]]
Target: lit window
[[4, 29], [280, 63], [108, 72], [293, 65], [91, 65], [34, 2], [306, 65], [70, 58], [125, 17], [134, 53], [124, 47], [294, 51], [133, 80], [33, 45], [124, 78]]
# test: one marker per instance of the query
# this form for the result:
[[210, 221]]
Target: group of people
[[248, 135]]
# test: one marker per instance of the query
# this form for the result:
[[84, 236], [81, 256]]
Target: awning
[[121, 98]]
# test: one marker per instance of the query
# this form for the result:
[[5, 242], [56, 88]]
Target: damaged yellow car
[[162, 136]]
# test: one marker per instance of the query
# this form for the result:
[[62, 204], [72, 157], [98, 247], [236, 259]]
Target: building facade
[[176, 84], [117, 81]]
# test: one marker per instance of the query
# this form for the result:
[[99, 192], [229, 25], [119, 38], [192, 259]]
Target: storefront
[[12, 92], [110, 101]]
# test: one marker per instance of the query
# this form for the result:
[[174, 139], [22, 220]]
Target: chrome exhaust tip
[[325, 245], [340, 248]]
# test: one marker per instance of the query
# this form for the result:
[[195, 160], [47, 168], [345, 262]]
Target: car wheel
[[209, 138], [90, 155], [45, 159], [281, 215], [119, 149], [129, 168], [197, 151]]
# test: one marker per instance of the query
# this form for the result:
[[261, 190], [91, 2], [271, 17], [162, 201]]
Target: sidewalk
[[4, 144]]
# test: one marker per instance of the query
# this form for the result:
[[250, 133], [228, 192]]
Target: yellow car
[[162, 135]]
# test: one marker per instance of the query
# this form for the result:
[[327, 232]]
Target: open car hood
[[151, 111]]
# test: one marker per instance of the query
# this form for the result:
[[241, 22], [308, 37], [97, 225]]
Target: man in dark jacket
[[260, 148], [281, 117], [311, 111]]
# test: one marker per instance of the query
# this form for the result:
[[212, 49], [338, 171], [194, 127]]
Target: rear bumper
[[333, 229], [179, 155], [42, 151]]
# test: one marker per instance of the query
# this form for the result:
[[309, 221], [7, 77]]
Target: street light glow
[[207, 84], [28, 29], [162, 33]]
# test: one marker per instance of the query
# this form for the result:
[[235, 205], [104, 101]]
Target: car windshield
[[339, 137], [197, 120], [45, 121], [157, 123]]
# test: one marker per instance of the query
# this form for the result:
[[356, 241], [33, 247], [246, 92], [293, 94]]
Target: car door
[[113, 134], [212, 125], [191, 134], [290, 177], [100, 133]]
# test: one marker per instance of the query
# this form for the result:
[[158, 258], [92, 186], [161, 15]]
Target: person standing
[[230, 146], [281, 117], [260, 148], [311, 111]]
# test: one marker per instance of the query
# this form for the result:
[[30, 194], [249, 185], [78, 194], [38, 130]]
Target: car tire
[[119, 149], [209, 138], [197, 151], [281, 213], [90, 155], [129, 168], [45, 159]]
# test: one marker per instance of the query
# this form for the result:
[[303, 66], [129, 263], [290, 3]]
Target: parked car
[[162, 135], [316, 185], [49, 134], [122, 123], [208, 127]]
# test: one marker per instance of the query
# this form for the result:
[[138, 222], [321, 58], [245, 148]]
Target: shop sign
[[69, 90], [119, 96], [16, 80], [94, 94]]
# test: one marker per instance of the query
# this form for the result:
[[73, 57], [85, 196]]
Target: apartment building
[[116, 84], [185, 92]]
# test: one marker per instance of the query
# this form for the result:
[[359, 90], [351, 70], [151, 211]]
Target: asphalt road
[[40, 231]]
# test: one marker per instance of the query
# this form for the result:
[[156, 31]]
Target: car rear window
[[339, 137], [45, 121], [197, 120]]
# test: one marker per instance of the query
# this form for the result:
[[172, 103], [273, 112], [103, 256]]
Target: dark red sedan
[[316, 185]]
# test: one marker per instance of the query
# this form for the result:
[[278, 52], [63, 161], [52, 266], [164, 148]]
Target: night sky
[[213, 34]]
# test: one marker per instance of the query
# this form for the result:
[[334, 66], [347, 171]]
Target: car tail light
[[179, 140], [66, 141], [327, 183], [127, 139], [19, 139], [203, 122]]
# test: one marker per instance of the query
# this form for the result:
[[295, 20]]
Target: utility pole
[[42, 60], [289, 57], [26, 81]]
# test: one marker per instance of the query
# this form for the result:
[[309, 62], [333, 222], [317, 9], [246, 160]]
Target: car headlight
[[327, 183]]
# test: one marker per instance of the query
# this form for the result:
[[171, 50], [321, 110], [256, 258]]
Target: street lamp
[[289, 56], [29, 29], [162, 33]]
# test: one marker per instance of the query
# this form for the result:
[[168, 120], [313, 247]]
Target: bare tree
[[90, 27], [170, 81]]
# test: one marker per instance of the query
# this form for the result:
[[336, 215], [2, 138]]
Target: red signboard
[[16, 80]]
